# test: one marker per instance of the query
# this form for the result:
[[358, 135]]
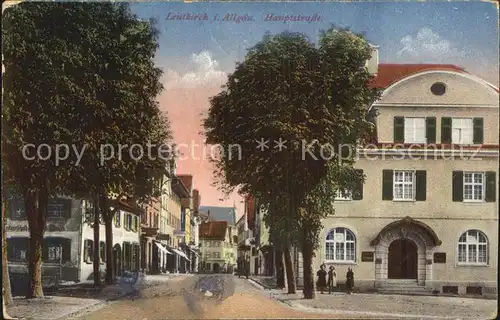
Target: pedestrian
[[332, 279], [350, 280], [321, 278]]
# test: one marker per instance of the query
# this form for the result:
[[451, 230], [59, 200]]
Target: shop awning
[[162, 248], [182, 254]]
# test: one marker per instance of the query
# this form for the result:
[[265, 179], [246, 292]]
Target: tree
[[315, 98], [65, 85], [40, 87], [6, 290]]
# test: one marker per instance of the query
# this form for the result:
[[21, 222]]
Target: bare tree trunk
[[36, 209], [307, 256], [290, 276], [280, 269], [107, 215], [97, 248], [7, 294]]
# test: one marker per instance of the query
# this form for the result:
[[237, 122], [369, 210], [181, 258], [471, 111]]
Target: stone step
[[418, 290]]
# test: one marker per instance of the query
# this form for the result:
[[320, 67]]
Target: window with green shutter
[[478, 135], [430, 129], [387, 184], [446, 130], [458, 186], [399, 129], [490, 193], [420, 185]]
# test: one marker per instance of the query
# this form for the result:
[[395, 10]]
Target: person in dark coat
[[332, 279], [321, 278], [350, 280]]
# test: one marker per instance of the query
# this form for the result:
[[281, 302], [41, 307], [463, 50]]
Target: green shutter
[[430, 129], [399, 129], [387, 183], [446, 130], [66, 249], [490, 193], [421, 185], [478, 131], [458, 186], [358, 192]]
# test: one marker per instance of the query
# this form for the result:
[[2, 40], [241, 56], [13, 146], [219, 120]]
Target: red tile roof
[[390, 73], [213, 230], [187, 180]]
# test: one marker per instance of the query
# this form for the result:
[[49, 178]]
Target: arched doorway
[[402, 260], [117, 261], [216, 268]]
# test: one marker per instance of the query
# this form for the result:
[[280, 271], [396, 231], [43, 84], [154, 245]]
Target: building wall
[[121, 235], [367, 217], [67, 227]]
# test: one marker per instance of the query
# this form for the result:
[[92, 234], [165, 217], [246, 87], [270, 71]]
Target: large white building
[[426, 217]]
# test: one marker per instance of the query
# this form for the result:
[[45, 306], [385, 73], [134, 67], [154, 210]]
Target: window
[[438, 88], [54, 253], [209, 255], [88, 251], [17, 249], [55, 210], [217, 255], [403, 185], [343, 195], [462, 130], [473, 186], [17, 211], [415, 130], [340, 245], [117, 219], [472, 248], [102, 248]]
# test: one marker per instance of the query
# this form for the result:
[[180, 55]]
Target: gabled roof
[[187, 180], [214, 230], [227, 214], [179, 188], [389, 73]]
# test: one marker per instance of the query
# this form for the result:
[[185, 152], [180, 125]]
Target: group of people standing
[[329, 279]]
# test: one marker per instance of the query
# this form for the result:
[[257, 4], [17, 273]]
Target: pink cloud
[[186, 101]]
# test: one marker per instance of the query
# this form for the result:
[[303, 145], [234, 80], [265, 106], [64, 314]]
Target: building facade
[[68, 241], [218, 246], [427, 214]]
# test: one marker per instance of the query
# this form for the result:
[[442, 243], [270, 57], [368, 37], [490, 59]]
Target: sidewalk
[[79, 298], [392, 306]]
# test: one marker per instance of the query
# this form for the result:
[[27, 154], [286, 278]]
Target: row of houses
[[159, 237], [426, 218]]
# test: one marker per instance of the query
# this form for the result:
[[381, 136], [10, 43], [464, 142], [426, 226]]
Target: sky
[[197, 56]]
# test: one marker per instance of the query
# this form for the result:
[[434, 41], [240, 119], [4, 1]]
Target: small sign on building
[[439, 257], [367, 256]]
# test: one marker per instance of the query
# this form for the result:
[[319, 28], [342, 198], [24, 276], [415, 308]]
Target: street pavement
[[228, 297]]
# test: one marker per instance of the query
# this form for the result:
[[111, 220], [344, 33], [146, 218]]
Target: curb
[[379, 315], [256, 284]]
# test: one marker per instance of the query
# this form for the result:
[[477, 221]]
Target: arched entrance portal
[[216, 268], [402, 260]]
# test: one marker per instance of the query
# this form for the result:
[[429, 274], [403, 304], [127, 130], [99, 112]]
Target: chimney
[[372, 63]]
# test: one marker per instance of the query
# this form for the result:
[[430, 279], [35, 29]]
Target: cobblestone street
[[225, 296]]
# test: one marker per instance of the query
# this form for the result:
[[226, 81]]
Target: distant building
[[218, 247]]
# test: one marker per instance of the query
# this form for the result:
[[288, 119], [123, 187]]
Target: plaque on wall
[[439, 257], [367, 256], [378, 261]]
